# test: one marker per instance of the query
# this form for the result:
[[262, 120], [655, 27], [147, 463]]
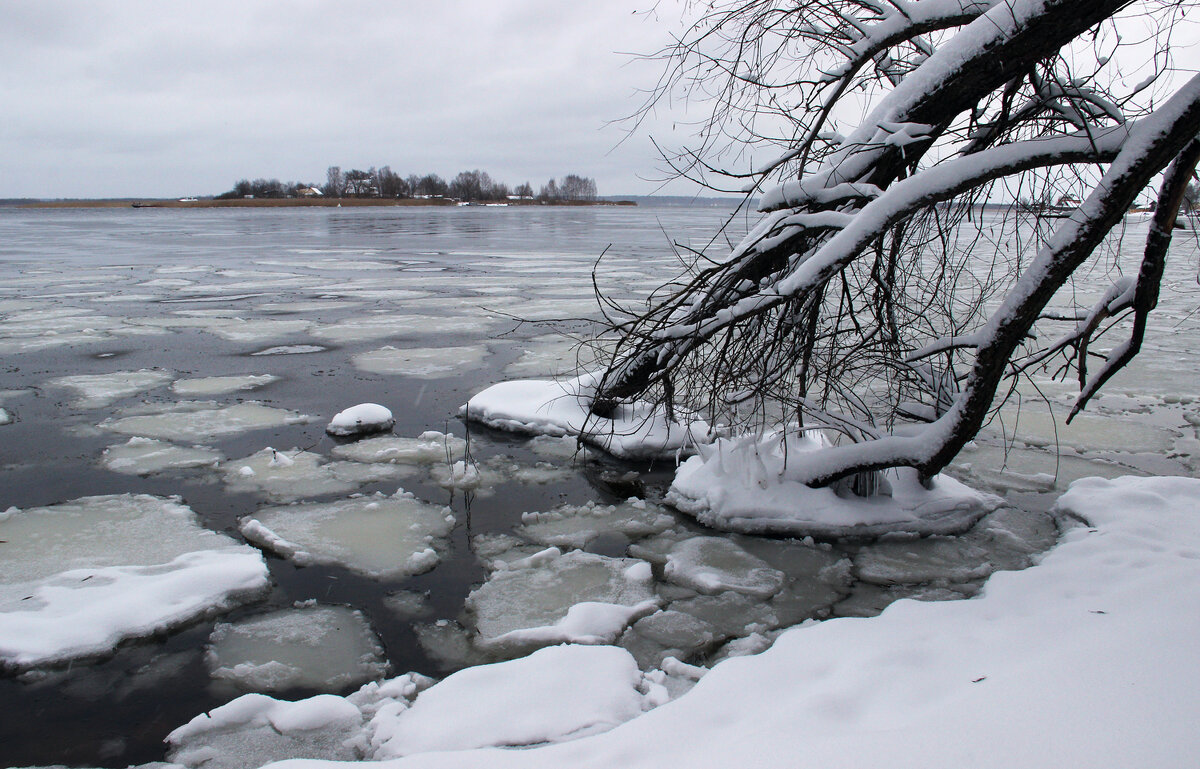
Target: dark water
[[104, 264]]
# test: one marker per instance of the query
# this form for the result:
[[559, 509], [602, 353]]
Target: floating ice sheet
[[573, 598], [202, 422], [378, 536], [367, 328], [421, 362], [100, 390], [326, 648], [546, 407], [744, 485], [69, 571], [219, 385], [430, 447], [146, 456], [713, 564], [575, 526], [291, 349], [287, 476]]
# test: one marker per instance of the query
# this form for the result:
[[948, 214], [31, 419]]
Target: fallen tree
[[869, 300]]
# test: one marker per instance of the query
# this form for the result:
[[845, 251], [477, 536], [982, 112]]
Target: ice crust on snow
[[553, 598], [69, 570], [548, 407], [363, 419], [326, 648], [377, 536], [746, 485]]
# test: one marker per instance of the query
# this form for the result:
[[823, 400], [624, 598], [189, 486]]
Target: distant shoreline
[[301, 203]]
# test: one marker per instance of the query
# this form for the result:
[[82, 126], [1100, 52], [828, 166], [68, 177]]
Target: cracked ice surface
[[553, 598], [326, 648], [69, 570], [377, 536]]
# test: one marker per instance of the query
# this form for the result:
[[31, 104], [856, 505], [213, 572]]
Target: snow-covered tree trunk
[[846, 302]]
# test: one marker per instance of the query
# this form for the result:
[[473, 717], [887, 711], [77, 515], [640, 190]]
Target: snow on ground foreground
[[745, 485], [68, 571], [1087, 659], [556, 408]]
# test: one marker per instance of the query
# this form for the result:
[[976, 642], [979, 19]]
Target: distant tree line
[[385, 183]]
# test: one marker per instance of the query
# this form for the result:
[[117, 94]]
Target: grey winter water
[[194, 357]]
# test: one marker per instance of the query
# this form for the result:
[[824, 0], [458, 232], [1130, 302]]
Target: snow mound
[[362, 419], [557, 408], [556, 694], [254, 730], [377, 536], [550, 598], [743, 485], [326, 648], [69, 570]]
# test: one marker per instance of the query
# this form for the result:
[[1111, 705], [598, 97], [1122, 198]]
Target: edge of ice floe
[[563, 407]]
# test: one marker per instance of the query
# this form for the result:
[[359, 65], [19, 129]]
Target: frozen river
[[165, 381]]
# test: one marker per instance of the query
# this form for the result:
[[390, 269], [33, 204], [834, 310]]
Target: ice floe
[[576, 526], [552, 598], [713, 564], [147, 456], [363, 419], [100, 390], [69, 570], [219, 385], [421, 362], [378, 536], [201, 421], [744, 485], [5, 417], [326, 648], [555, 408], [287, 476], [430, 447], [291, 349]]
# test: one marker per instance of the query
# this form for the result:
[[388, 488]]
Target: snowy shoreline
[[1086, 659]]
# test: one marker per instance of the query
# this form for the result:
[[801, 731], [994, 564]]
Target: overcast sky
[[164, 98]]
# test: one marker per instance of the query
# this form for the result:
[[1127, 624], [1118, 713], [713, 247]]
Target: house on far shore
[[310, 192]]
